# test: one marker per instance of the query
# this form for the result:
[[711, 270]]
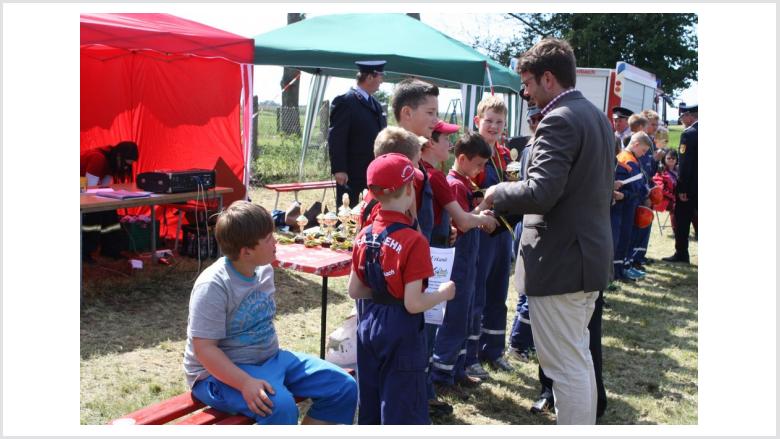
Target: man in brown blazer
[[565, 255]]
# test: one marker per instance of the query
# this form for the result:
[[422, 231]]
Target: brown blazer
[[566, 245]]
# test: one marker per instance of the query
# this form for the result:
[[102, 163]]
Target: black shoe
[[544, 403], [450, 390], [468, 382], [677, 258], [438, 408], [639, 266]]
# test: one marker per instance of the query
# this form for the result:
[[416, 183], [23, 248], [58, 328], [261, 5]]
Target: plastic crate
[[139, 236]]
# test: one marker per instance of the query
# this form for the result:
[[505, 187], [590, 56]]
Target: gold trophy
[[513, 167], [301, 221], [344, 215], [330, 221]]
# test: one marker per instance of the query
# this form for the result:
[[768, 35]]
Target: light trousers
[[562, 342]]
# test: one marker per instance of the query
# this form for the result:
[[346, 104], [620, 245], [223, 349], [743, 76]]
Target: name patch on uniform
[[682, 148]]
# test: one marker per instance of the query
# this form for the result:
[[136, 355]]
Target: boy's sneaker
[[519, 354], [476, 370], [638, 266], [500, 363], [629, 275], [635, 273], [468, 382]]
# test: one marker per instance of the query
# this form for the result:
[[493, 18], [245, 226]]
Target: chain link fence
[[278, 149]]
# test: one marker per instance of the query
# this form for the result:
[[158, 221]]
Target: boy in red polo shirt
[[390, 263], [449, 352]]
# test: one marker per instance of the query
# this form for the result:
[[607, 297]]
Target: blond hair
[[650, 115], [494, 103], [636, 121], [396, 139], [241, 225], [640, 137]]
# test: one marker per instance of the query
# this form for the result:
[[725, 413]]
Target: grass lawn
[[133, 331]]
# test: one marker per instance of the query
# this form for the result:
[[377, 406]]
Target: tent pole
[[313, 89]]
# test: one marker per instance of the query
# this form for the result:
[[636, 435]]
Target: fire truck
[[625, 86]]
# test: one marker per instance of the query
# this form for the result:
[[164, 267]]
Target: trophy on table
[[329, 221], [344, 214], [301, 221], [513, 167]]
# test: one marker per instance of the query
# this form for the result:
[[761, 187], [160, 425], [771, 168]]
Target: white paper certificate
[[442, 259]]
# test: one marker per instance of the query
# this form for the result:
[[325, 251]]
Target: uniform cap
[[446, 128], [371, 66], [620, 112], [685, 108], [389, 172]]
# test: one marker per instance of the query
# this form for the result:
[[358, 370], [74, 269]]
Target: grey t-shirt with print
[[234, 309]]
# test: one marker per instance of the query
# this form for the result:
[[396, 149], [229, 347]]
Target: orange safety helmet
[[656, 195], [643, 217]]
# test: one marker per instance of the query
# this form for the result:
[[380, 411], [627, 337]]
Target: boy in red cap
[[445, 206], [390, 265]]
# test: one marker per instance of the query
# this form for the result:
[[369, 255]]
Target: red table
[[315, 260]]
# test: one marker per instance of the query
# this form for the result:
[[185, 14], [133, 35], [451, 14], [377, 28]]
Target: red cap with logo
[[389, 172], [446, 128]]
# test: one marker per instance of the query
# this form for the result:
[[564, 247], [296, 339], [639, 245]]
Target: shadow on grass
[[122, 313]]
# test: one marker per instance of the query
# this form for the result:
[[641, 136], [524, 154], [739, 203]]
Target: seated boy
[[232, 358], [390, 263], [449, 352]]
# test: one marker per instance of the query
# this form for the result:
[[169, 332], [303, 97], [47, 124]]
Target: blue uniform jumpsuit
[[640, 238], [488, 326], [391, 353], [622, 212], [449, 354]]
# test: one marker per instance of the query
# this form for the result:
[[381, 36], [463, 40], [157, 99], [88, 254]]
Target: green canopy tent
[[329, 45]]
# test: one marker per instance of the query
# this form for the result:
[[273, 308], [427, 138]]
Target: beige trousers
[[562, 342]]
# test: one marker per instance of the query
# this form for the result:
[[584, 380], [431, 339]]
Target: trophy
[[345, 213], [513, 167], [329, 221], [301, 221]]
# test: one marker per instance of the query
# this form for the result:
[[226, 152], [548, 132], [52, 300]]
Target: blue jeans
[[333, 391]]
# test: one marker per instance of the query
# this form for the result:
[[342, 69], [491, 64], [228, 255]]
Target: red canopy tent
[[179, 89]]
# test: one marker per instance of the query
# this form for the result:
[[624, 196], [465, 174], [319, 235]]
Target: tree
[[289, 119], [664, 44]]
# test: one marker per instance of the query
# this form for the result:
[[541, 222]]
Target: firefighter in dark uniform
[[356, 118], [687, 182]]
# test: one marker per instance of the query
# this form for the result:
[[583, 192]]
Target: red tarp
[[175, 87]]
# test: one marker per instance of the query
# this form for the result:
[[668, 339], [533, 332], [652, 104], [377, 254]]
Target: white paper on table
[[442, 259]]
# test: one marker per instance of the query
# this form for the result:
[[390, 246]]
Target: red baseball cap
[[389, 172], [446, 128]]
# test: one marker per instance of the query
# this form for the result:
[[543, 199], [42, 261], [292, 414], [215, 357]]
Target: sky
[[245, 22]]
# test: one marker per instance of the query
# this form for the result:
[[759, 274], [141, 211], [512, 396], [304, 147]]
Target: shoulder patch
[[682, 148]]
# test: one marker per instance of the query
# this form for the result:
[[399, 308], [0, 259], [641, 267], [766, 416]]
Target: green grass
[[675, 131], [133, 331]]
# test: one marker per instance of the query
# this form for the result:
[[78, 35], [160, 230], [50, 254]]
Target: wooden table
[[93, 203], [315, 260]]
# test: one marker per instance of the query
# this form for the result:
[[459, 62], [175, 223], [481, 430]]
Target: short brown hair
[[383, 196], [472, 145], [241, 225], [637, 121], [494, 103], [411, 92], [553, 55], [396, 139]]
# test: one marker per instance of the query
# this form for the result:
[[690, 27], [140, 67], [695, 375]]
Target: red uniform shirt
[[405, 255], [95, 163], [442, 194], [460, 186], [500, 156]]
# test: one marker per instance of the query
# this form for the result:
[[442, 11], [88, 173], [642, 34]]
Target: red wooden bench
[[184, 409], [301, 186]]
